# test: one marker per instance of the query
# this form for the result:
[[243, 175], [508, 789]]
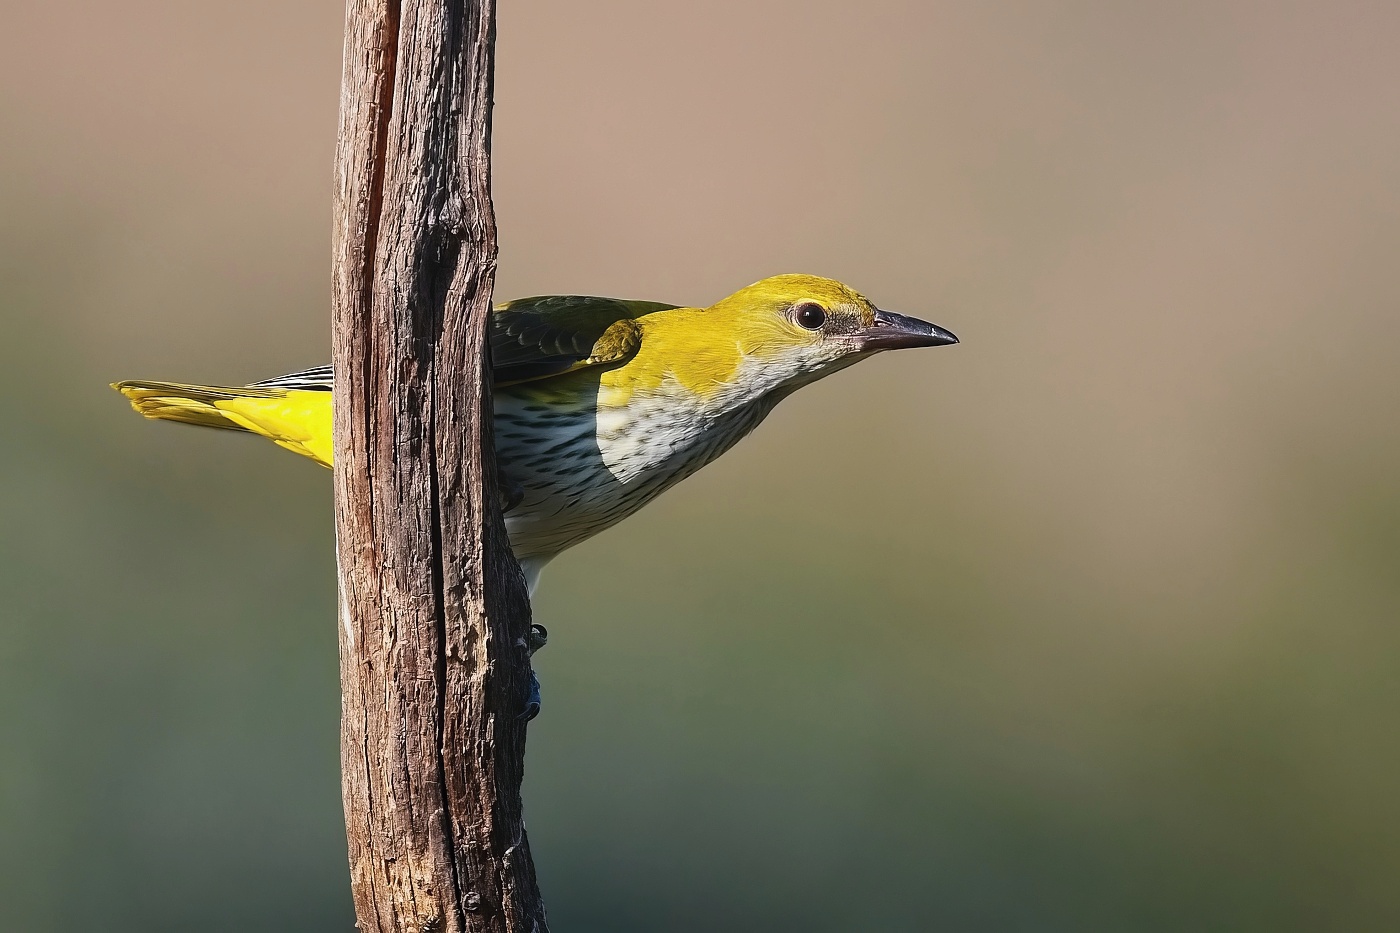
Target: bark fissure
[[387, 53]]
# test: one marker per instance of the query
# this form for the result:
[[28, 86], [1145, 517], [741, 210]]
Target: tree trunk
[[434, 619]]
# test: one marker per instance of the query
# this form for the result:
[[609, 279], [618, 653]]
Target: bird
[[600, 404]]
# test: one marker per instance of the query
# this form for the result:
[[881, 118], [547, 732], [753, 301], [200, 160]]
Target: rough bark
[[434, 618]]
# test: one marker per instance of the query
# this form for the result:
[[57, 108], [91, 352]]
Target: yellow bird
[[600, 404]]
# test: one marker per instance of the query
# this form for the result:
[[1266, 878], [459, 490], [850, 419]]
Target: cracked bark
[[434, 619]]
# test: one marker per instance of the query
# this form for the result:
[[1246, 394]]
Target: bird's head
[[764, 341], [793, 329]]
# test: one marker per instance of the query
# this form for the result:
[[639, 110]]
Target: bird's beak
[[897, 331]]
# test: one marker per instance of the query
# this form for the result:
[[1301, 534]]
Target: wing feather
[[535, 338]]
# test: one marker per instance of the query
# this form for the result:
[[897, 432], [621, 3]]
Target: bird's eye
[[810, 316]]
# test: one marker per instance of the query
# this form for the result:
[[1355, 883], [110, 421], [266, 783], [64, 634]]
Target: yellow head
[[771, 338]]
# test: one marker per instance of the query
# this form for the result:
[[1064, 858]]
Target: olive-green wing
[[535, 338]]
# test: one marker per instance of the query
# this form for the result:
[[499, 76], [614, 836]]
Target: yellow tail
[[297, 419]]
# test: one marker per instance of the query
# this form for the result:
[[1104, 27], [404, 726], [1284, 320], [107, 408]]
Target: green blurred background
[[1091, 623]]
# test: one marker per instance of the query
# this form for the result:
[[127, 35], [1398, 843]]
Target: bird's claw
[[532, 705], [539, 637]]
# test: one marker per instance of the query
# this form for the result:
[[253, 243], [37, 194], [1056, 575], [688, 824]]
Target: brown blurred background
[[1091, 623]]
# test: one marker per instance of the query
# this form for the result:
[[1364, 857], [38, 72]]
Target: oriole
[[600, 404]]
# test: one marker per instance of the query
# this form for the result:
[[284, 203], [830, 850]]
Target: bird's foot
[[532, 705], [539, 637]]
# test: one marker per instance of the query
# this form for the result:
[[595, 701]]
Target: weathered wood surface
[[434, 618]]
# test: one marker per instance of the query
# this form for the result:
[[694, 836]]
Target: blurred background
[[1091, 623]]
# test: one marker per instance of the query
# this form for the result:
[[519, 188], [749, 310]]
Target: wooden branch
[[434, 619]]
